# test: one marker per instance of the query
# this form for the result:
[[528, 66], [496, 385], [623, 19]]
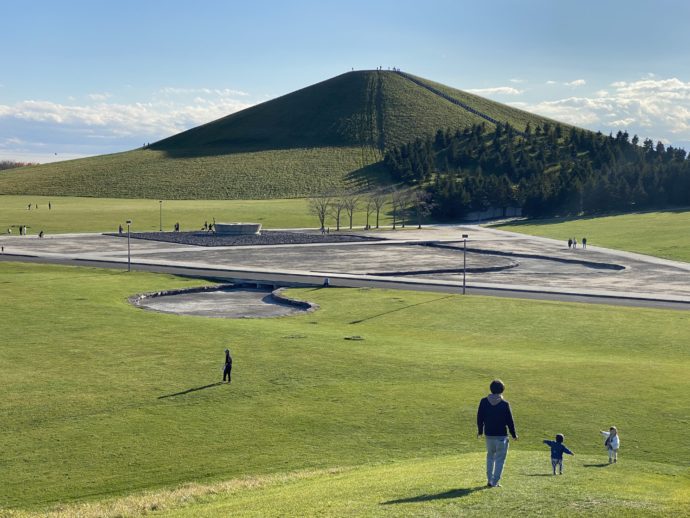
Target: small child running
[[612, 443], [557, 451]]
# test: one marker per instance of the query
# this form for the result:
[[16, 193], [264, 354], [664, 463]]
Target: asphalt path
[[277, 279]]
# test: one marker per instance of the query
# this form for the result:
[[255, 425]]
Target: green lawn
[[104, 214], [662, 234], [392, 414]]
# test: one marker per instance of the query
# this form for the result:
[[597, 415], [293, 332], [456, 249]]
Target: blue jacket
[[557, 449]]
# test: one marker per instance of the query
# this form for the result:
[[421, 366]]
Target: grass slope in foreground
[[661, 234], [319, 139], [104, 214], [84, 374]]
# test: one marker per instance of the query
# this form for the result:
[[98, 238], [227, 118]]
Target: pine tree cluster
[[546, 170]]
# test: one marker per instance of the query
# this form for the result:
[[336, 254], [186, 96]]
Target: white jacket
[[615, 440]]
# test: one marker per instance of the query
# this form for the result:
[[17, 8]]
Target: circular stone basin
[[227, 303], [237, 229]]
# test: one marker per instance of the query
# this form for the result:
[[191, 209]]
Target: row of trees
[[11, 164], [403, 203], [546, 170]]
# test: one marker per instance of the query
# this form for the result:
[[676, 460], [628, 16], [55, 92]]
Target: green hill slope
[[324, 137]]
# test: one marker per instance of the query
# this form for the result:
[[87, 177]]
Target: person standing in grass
[[227, 368], [612, 443], [494, 420], [557, 451]]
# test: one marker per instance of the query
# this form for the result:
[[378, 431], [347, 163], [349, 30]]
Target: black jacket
[[492, 420]]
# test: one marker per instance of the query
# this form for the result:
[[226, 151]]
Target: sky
[[81, 78]]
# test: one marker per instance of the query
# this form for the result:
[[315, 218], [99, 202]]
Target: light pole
[[160, 215], [129, 257], [464, 260]]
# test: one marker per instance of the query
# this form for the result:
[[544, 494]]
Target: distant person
[[40, 234], [584, 242], [50, 205], [119, 229], [177, 227], [570, 243], [612, 443], [227, 367], [9, 231], [557, 451], [29, 206], [205, 227], [574, 243], [494, 420]]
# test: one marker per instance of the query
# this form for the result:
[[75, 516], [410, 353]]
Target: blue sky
[[89, 77]]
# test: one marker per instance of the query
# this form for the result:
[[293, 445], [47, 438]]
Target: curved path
[[546, 269]]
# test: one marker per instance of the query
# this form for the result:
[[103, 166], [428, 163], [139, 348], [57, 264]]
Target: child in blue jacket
[[557, 451]]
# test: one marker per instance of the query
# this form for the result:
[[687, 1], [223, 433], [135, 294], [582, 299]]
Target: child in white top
[[612, 443]]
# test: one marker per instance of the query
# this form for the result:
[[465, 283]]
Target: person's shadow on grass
[[453, 493], [601, 465], [191, 390]]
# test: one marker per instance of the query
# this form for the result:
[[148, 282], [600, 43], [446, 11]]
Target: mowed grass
[[662, 234], [105, 214], [84, 417]]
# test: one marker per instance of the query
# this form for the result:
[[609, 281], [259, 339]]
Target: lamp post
[[160, 215], [464, 260], [129, 257]]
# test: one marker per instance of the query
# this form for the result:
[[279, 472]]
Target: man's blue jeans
[[496, 451]]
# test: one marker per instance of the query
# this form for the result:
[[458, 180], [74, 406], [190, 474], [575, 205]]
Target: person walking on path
[[494, 420], [557, 451], [612, 443], [570, 243], [227, 368], [584, 242]]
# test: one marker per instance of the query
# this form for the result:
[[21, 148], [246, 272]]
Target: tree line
[[404, 206], [11, 164], [548, 169]]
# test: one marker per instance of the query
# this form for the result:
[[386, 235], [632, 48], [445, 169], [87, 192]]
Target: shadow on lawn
[[191, 390], [453, 493], [602, 465]]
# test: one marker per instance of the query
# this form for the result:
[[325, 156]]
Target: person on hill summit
[[494, 420]]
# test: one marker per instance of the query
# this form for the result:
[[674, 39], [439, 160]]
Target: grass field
[[317, 140], [316, 424], [663, 234], [104, 214]]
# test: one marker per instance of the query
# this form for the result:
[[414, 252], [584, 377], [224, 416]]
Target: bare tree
[[337, 206], [378, 199], [350, 204], [421, 200], [320, 207], [397, 204]]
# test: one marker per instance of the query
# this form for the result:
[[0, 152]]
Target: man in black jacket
[[493, 418]]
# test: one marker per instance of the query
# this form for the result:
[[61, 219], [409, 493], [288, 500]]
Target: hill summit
[[325, 137]]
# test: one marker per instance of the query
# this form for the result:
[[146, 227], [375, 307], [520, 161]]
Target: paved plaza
[[432, 256]]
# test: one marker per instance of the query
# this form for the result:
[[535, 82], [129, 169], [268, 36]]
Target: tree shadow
[[453, 493], [191, 390], [601, 465]]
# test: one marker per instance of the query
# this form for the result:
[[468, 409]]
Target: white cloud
[[550, 82], [652, 107], [518, 81], [100, 125], [500, 90], [221, 92], [576, 82], [100, 96]]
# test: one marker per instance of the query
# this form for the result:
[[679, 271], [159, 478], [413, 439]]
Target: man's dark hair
[[497, 387], [559, 437]]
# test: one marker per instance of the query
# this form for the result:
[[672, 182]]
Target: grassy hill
[[387, 419], [322, 138], [661, 234]]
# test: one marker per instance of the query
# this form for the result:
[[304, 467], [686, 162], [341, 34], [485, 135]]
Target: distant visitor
[[227, 366]]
